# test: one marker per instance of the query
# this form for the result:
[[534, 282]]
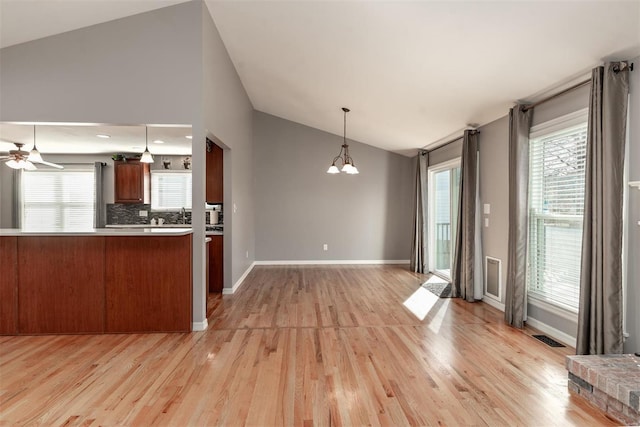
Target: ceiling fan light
[[333, 169], [13, 164], [29, 166], [34, 156], [146, 157]]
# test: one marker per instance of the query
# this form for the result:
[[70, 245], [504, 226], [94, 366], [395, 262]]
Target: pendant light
[[343, 156], [34, 154], [146, 156]]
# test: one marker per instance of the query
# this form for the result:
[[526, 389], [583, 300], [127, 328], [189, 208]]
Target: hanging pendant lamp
[[343, 156], [146, 156]]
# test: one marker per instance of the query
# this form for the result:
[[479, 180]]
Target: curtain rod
[[425, 151], [569, 89], [554, 96]]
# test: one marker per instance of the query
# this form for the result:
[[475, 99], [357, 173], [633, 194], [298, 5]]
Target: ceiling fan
[[21, 159]]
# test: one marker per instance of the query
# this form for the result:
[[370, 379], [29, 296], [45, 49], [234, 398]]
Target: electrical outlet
[[325, 247], [487, 208], [486, 222], [235, 208], [247, 254], [143, 213]]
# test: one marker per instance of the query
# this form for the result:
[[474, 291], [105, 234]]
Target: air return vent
[[492, 280]]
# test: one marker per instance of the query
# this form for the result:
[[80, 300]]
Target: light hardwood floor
[[330, 345]]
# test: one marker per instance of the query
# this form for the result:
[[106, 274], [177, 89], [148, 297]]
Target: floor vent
[[548, 341]]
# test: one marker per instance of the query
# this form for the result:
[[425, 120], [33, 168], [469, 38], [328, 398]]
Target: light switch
[[486, 222], [487, 208], [143, 213]]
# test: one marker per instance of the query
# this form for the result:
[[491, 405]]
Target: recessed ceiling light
[[157, 141], [189, 137], [103, 135]]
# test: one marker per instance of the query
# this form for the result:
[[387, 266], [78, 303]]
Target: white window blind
[[58, 199], [170, 190], [556, 207]]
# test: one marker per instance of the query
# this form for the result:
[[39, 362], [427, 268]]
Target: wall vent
[[493, 278]]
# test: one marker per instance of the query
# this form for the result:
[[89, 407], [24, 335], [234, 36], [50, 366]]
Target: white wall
[[300, 207]]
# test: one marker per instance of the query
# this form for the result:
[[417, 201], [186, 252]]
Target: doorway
[[444, 190]]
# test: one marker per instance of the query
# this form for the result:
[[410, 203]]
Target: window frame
[[74, 167], [167, 172], [563, 124]]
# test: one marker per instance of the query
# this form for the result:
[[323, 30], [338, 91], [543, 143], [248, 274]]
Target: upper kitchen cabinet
[[214, 173], [131, 181]]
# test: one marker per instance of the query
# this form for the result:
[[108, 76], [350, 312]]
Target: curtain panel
[[516, 287], [600, 310], [465, 275], [419, 250]]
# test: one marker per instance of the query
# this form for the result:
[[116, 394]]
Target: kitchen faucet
[[184, 216]]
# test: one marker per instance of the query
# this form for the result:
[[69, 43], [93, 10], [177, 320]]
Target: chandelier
[[343, 157]]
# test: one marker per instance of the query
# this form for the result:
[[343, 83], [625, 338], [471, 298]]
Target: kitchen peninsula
[[95, 281]]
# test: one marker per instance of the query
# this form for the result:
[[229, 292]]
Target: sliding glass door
[[444, 187]]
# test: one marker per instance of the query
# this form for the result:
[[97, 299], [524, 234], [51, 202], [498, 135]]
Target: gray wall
[[299, 207], [494, 190], [145, 68], [227, 119], [445, 153], [633, 237]]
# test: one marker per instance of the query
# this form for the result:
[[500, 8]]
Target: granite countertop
[[97, 232]]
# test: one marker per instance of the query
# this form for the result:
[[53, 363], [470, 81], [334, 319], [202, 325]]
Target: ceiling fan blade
[[53, 165]]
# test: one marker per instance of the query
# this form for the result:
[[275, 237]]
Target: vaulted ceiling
[[412, 73]]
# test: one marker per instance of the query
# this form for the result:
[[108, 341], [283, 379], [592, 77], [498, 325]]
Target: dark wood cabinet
[[214, 192], [9, 285], [216, 275], [131, 181]]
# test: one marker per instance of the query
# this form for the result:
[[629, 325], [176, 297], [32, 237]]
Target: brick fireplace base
[[611, 382]]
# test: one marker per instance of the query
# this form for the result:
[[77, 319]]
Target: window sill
[[558, 310]]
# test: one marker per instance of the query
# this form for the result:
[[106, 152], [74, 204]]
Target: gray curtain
[[600, 314], [99, 218], [419, 252], [516, 298], [16, 199], [463, 274]]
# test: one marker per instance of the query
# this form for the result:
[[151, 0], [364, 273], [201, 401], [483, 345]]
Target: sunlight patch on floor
[[421, 302]]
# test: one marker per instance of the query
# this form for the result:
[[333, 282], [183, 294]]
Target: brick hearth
[[611, 382]]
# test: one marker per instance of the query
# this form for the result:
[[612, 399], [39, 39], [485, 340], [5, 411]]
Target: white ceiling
[[82, 139], [412, 73]]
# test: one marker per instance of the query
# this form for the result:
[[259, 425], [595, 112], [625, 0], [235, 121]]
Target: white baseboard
[[199, 326], [493, 303], [552, 332], [340, 262], [227, 291]]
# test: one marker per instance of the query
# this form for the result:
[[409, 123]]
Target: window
[[53, 199], [444, 187], [556, 207], [170, 190]]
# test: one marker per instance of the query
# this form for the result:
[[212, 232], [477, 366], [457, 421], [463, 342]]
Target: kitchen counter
[[94, 281], [139, 231]]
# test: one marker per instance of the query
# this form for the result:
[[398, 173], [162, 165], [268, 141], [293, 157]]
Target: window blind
[[58, 199], [170, 190], [556, 207]]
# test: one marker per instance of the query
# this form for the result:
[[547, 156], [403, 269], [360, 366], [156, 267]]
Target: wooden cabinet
[[214, 191], [154, 295], [216, 275], [61, 284], [131, 181], [8, 285]]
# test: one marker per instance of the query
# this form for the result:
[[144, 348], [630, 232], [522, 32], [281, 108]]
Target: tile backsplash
[[118, 213]]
